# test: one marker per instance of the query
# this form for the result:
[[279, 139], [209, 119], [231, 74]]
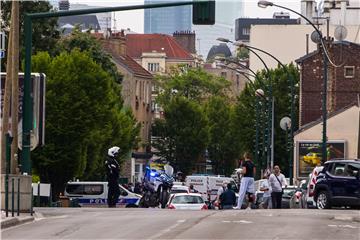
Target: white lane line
[[178, 222], [238, 221], [342, 226]]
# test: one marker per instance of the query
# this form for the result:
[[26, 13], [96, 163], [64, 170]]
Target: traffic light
[[204, 12]]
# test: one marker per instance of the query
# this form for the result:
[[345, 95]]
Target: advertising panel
[[310, 154]]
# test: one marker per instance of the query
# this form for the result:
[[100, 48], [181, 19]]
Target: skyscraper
[[167, 20]]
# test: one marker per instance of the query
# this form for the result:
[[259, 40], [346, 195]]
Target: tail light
[[204, 207], [171, 206]]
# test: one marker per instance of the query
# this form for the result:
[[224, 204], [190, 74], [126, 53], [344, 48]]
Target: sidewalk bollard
[[18, 197], [12, 197], [32, 202], [38, 195]]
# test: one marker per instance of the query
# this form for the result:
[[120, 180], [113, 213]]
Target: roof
[[137, 44], [219, 50], [330, 115], [307, 56], [129, 63]]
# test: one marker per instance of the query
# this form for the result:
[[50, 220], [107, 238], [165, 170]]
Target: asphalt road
[[103, 223]]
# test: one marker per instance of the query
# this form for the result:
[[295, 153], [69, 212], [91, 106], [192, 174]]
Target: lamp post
[[264, 4], [292, 107], [270, 148]]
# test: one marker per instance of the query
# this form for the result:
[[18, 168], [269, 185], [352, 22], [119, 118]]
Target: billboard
[[309, 154]]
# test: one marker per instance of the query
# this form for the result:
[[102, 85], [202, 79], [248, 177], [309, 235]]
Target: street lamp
[[291, 82], [270, 107], [326, 58]]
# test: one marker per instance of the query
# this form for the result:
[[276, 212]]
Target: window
[[85, 189], [349, 71], [352, 170], [153, 67], [246, 31], [339, 169]]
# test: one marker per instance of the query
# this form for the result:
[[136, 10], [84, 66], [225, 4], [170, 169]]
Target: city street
[[103, 223]]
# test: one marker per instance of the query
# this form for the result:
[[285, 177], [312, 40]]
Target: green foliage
[[242, 53], [186, 133], [246, 112], [44, 31], [84, 117], [86, 42], [198, 116]]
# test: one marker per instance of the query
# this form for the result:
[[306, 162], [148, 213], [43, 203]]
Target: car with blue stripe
[[94, 194]]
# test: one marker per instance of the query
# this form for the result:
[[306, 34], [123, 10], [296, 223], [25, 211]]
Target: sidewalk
[[16, 220]]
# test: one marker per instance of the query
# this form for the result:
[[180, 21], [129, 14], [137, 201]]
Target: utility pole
[[7, 95], [15, 85]]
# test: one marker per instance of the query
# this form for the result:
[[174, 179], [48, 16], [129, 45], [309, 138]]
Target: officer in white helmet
[[112, 172]]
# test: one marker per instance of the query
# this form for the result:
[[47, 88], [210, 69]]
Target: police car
[[94, 194]]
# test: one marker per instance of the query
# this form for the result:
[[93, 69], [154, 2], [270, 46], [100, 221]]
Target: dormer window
[[153, 67]]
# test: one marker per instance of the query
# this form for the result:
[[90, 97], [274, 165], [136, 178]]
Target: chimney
[[117, 43], [186, 39]]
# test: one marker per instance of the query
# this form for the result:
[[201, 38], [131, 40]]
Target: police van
[[94, 194]]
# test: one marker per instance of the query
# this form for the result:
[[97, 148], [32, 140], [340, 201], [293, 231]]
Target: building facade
[[136, 91], [343, 86], [167, 20]]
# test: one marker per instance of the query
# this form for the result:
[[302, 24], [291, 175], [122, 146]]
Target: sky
[[135, 19]]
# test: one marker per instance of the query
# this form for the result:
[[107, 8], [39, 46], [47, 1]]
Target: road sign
[[2, 53]]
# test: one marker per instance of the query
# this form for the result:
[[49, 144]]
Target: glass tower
[[167, 20]]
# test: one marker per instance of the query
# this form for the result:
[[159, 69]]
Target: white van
[[208, 186], [94, 194]]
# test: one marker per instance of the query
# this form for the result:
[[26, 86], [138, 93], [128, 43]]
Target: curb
[[15, 221]]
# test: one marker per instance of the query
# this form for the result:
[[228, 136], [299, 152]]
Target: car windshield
[[187, 199], [178, 191]]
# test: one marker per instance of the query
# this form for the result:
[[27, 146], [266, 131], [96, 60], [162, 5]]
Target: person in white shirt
[[265, 187], [277, 182]]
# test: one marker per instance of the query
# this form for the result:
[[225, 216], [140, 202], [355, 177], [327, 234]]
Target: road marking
[[178, 222], [238, 221], [343, 226]]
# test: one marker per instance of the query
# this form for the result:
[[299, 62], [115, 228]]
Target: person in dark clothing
[[137, 188], [228, 198], [192, 189], [247, 182], [112, 174]]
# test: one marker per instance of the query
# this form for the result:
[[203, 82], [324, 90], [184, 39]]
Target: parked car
[[187, 201], [289, 191], [338, 184], [298, 200], [310, 203]]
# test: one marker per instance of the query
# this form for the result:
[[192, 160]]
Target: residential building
[[343, 139], [243, 25], [289, 42], [157, 53], [343, 85], [167, 20], [237, 80], [186, 39], [136, 91], [220, 50], [84, 22]]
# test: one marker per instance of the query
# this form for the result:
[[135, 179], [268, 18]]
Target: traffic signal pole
[[29, 17]]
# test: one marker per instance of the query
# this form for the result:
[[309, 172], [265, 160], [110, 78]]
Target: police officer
[[112, 173]]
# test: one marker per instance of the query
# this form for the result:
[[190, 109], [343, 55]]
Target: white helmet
[[114, 151]]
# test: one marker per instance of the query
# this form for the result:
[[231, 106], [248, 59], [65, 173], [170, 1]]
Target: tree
[[45, 33], [246, 115], [84, 117], [85, 42], [185, 133], [223, 143]]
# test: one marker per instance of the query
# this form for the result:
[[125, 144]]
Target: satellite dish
[[315, 37], [340, 33], [285, 123]]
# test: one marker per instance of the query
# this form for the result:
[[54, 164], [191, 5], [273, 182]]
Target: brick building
[[343, 82]]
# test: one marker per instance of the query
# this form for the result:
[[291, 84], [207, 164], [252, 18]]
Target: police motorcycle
[[157, 187]]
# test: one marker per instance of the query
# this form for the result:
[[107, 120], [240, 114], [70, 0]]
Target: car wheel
[[323, 200]]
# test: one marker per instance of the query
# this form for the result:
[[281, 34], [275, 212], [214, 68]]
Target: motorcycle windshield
[[169, 170]]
